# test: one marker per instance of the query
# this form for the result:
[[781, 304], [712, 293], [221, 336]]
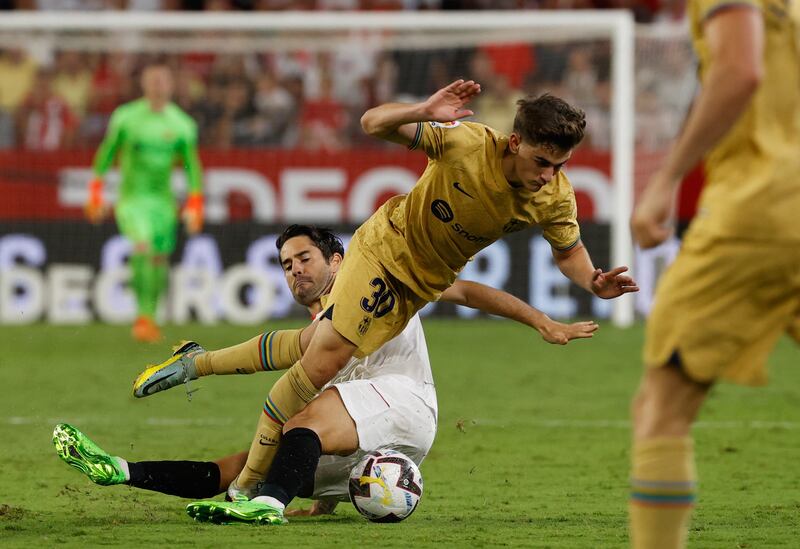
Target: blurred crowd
[[645, 11], [311, 99]]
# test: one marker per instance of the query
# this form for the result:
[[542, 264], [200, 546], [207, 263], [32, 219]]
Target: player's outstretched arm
[[576, 265], [735, 39], [397, 122], [497, 302]]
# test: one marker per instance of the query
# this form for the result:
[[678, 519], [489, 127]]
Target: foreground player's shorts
[[722, 305], [149, 219], [370, 306], [389, 412]]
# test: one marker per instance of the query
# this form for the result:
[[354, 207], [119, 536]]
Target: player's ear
[[514, 142], [335, 262]]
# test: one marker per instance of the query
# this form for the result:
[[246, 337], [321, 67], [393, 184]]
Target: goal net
[[277, 99]]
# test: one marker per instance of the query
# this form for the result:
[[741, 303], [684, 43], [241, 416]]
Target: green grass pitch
[[532, 449]]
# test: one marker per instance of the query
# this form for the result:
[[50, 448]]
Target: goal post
[[45, 33]]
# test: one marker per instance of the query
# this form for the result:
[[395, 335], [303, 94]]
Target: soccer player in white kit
[[384, 400]]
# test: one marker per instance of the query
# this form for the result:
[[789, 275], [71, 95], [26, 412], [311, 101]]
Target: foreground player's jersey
[[753, 175], [461, 204], [149, 143], [406, 354]]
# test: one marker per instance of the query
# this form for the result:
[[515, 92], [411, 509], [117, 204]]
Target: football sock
[[149, 280], [276, 350], [663, 492], [186, 479], [292, 471], [124, 466], [270, 501], [160, 279], [289, 395], [140, 266]]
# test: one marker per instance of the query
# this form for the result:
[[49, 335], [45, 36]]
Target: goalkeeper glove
[[193, 213]]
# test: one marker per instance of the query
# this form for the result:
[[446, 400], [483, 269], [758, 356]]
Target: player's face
[[307, 273], [536, 165], [157, 83]]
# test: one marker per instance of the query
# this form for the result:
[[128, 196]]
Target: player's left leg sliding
[[289, 395], [291, 474], [77, 450], [186, 479]]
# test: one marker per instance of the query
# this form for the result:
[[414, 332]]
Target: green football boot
[[77, 450], [227, 512], [177, 369]]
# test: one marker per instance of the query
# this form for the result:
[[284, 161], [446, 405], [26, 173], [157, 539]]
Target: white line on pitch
[[477, 422]]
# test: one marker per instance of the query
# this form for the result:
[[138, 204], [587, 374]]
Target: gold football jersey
[[461, 204], [752, 185]]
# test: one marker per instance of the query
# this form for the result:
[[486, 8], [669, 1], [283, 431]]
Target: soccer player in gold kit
[[735, 285], [478, 186]]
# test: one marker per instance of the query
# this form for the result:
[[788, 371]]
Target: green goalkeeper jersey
[[149, 143]]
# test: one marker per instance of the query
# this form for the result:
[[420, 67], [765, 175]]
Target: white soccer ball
[[385, 486]]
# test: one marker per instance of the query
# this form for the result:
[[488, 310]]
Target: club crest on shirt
[[513, 226], [447, 125], [363, 326]]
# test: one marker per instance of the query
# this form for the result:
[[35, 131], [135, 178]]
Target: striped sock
[[663, 492], [288, 396], [276, 350]]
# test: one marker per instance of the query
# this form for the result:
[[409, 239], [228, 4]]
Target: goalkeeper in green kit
[[149, 135]]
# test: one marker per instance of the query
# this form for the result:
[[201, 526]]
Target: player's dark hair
[[549, 121], [324, 239]]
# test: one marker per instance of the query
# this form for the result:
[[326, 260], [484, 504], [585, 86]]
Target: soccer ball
[[385, 486]]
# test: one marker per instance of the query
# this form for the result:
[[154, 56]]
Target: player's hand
[[559, 333], [95, 208], [651, 220], [613, 283], [317, 508], [448, 103], [193, 213]]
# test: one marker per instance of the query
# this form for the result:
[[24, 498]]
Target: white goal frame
[[615, 25]]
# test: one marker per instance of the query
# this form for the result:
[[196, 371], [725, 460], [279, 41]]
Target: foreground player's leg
[[323, 426], [186, 479], [276, 350], [328, 352], [77, 450], [663, 477]]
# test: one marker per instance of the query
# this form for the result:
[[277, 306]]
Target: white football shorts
[[389, 412]]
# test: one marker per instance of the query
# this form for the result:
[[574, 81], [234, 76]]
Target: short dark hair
[[550, 121], [324, 239]]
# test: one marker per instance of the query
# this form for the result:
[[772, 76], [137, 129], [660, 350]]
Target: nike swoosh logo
[[270, 443], [457, 186]]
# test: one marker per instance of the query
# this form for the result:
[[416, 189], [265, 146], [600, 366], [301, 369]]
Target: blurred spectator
[[275, 108], [44, 121], [497, 104], [323, 121], [17, 72], [655, 126], [73, 80], [7, 137], [598, 118], [235, 126], [580, 77]]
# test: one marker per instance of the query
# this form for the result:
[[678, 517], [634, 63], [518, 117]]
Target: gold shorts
[[370, 306], [722, 305]]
